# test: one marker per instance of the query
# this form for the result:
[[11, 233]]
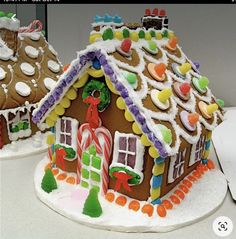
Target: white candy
[[53, 66], [27, 69], [34, 36], [2, 73], [31, 52], [22, 89], [49, 83]]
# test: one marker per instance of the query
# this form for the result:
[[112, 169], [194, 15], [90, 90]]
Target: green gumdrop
[[141, 34], [107, 34], [48, 183], [2, 14], [92, 205], [203, 82], [92, 150], [131, 78], [165, 34], [153, 33], [220, 102], [126, 33], [10, 15], [152, 45], [167, 135]]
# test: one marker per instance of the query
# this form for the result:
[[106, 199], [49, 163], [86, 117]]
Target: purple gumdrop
[[83, 60], [197, 65], [145, 128], [108, 70], [46, 103], [140, 119], [63, 83], [56, 96], [128, 101], [119, 86], [157, 144], [151, 136], [91, 55], [124, 93], [134, 109], [98, 53], [59, 90], [39, 114], [51, 100]]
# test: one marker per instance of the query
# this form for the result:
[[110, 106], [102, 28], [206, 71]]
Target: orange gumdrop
[[196, 174], [191, 178], [183, 188], [179, 193], [61, 176], [200, 169], [148, 209], [174, 199], [193, 118], [173, 42], [160, 69], [161, 211], [121, 200], [65, 67], [110, 197], [71, 180], [167, 204], [134, 205], [210, 164], [55, 171], [49, 165], [187, 183], [204, 167]]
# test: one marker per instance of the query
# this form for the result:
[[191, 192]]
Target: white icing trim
[[9, 23]]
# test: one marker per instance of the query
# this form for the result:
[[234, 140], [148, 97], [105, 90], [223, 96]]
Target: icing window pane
[[68, 139], [62, 138], [68, 126], [62, 125]]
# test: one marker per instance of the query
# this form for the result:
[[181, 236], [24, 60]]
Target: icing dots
[[53, 66], [27, 69], [49, 83], [22, 89], [2, 73], [35, 36], [52, 50], [32, 52]]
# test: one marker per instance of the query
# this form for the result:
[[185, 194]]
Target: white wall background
[[207, 34]]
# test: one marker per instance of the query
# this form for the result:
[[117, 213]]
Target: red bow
[[122, 179], [92, 112]]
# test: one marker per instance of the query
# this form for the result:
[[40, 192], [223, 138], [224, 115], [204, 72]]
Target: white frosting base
[[68, 200], [9, 23], [23, 147]]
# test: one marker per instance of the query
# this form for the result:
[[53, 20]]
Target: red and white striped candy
[[35, 26]]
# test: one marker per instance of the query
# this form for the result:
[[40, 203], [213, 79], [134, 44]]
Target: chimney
[[156, 19], [9, 30]]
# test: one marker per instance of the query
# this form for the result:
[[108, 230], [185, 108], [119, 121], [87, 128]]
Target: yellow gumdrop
[[110, 85], [155, 193], [209, 135], [120, 103], [65, 102], [134, 36], [95, 73], [59, 110], [158, 169], [212, 108], [148, 36], [158, 36], [118, 35], [184, 68], [153, 152], [50, 139], [145, 141], [164, 95], [81, 81], [136, 128], [53, 158], [93, 37], [71, 94], [128, 116], [171, 35], [50, 122], [53, 116], [206, 154]]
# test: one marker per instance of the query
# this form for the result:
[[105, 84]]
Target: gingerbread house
[[131, 113], [29, 68]]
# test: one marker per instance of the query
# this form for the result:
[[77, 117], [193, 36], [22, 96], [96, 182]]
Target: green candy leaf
[[164, 34], [2, 14], [10, 15], [48, 183], [126, 33], [141, 34], [107, 34], [153, 33], [220, 102]]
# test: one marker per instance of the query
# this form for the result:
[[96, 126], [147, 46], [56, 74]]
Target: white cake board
[[24, 147], [206, 195]]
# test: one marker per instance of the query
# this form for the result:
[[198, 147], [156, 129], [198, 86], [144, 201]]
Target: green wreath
[[135, 180], [95, 85]]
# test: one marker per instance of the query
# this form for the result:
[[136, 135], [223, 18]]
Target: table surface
[[24, 216]]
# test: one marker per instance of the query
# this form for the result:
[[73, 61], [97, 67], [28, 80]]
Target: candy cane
[[106, 153], [35, 26]]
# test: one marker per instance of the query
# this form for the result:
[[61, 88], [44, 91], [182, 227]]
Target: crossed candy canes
[[35, 26], [102, 139]]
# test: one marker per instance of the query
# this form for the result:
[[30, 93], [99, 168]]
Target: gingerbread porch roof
[[29, 75], [140, 105]]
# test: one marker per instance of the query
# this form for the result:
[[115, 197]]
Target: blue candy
[[159, 160], [107, 18], [156, 181], [157, 201], [96, 64], [117, 19], [98, 18], [207, 145]]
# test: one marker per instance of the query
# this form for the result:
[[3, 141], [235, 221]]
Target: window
[[197, 151], [176, 168], [66, 131], [128, 151], [19, 125]]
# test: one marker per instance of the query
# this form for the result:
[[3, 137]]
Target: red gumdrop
[[155, 11], [126, 45], [162, 13], [147, 11], [160, 69], [185, 88]]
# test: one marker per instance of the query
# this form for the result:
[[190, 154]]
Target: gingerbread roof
[[140, 99], [27, 76]]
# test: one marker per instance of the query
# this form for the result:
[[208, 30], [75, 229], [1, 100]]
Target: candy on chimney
[[125, 48]]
